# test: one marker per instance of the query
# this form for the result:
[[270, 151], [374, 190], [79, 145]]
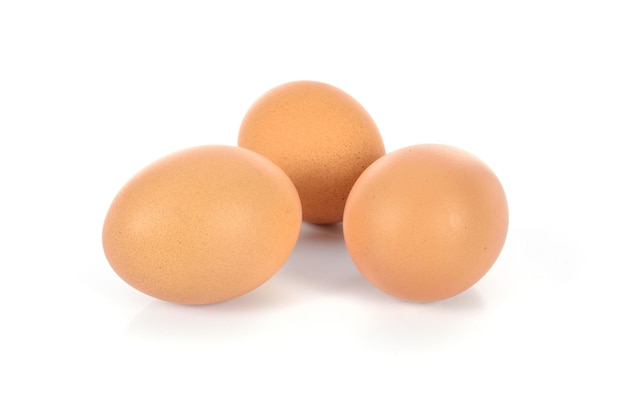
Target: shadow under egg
[[407, 327], [321, 262], [235, 319]]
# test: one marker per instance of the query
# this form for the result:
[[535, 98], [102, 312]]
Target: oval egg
[[202, 225], [320, 136], [426, 222]]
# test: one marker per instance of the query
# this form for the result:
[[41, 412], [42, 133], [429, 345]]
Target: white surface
[[90, 92]]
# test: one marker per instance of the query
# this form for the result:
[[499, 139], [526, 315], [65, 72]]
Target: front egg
[[202, 225], [426, 222]]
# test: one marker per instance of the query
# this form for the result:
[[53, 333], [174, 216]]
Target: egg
[[202, 225], [426, 222], [320, 136]]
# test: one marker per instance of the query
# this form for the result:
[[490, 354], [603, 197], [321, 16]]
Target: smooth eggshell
[[426, 222], [320, 136], [202, 225]]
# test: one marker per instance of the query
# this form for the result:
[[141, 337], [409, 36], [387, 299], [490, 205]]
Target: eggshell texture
[[202, 225], [320, 136], [426, 222]]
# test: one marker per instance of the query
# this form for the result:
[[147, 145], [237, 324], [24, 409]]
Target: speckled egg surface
[[202, 225], [426, 222], [320, 136]]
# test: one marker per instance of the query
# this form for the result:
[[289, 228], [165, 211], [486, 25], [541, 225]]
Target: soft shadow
[[404, 326], [231, 319], [468, 302], [321, 262]]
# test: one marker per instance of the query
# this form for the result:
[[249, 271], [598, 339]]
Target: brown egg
[[202, 225], [320, 136], [426, 222]]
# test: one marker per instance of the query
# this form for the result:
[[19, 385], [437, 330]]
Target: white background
[[90, 92]]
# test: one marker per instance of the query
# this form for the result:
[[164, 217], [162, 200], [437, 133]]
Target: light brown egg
[[202, 225], [426, 222], [320, 136]]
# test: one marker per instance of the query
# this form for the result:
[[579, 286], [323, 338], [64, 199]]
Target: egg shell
[[426, 222], [320, 136], [202, 225]]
